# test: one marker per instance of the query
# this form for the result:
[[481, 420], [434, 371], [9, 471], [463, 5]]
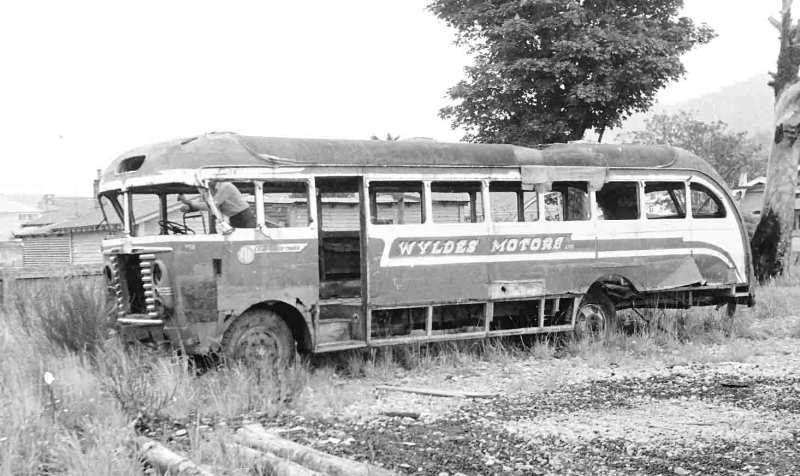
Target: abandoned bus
[[370, 243]]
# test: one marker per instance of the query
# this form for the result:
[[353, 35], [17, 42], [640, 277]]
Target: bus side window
[[618, 201], [285, 204], [456, 202], [705, 204], [510, 203], [567, 201], [664, 200], [395, 203]]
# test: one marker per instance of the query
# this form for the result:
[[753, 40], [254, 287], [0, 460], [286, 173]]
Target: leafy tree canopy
[[548, 70], [730, 153]]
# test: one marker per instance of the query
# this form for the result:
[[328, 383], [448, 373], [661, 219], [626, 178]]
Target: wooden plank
[[265, 460], [435, 392], [167, 461], [256, 436]]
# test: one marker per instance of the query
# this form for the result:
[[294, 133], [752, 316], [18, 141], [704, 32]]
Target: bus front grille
[[146, 272], [132, 284]]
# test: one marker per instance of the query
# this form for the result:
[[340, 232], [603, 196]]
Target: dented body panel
[[376, 282]]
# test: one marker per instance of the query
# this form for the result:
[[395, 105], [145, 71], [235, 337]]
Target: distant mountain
[[745, 106]]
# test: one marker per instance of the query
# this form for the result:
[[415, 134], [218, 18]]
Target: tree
[[548, 70], [389, 137], [730, 153], [771, 244]]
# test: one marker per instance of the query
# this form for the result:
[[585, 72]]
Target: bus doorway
[[341, 306]]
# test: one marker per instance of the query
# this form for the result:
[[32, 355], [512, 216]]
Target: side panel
[[278, 264], [416, 264], [717, 243], [426, 263]]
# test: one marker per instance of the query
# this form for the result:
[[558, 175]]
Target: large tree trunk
[[771, 245]]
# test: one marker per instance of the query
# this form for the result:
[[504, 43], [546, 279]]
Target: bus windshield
[[158, 211]]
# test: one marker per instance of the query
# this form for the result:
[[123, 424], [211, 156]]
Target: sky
[[83, 81]]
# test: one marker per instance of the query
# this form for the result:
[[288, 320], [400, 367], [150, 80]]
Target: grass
[[103, 393]]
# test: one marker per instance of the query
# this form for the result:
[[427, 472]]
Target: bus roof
[[233, 150]]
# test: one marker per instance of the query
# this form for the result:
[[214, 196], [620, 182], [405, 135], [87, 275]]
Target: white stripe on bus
[[428, 260]]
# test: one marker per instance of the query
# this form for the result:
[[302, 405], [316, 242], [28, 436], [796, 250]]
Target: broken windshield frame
[[129, 204]]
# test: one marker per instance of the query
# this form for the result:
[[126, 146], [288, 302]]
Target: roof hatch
[[130, 164]]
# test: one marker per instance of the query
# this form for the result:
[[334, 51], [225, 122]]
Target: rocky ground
[[730, 412], [728, 408]]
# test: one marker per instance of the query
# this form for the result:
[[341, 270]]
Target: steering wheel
[[175, 228]]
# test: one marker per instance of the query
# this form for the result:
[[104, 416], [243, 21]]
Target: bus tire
[[595, 316], [261, 339]]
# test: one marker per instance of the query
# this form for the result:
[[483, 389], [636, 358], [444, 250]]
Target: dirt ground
[[732, 408]]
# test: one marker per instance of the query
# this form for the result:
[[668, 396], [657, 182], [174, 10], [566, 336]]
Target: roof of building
[[229, 149], [59, 209], [88, 216]]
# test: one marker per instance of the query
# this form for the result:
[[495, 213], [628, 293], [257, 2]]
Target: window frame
[[686, 203], [714, 196], [372, 211], [512, 186], [482, 191], [639, 196], [261, 209], [556, 187]]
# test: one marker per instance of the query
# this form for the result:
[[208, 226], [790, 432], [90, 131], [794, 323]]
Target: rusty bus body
[[381, 243]]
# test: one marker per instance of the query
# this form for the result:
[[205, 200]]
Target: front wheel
[[259, 339], [596, 314]]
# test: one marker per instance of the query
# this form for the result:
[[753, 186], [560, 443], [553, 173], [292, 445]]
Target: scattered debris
[[734, 384], [414, 415], [435, 392]]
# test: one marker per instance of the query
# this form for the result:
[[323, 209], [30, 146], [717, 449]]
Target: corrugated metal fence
[[26, 282]]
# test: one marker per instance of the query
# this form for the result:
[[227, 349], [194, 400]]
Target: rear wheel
[[596, 314], [259, 339]]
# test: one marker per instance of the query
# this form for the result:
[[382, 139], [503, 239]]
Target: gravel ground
[[616, 414]]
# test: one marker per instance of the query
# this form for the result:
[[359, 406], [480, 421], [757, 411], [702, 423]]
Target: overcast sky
[[83, 81]]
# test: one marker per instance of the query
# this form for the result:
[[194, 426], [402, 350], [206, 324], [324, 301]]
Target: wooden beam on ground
[[255, 436], [167, 461], [434, 392], [273, 464], [414, 415]]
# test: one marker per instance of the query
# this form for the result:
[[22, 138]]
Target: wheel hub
[[591, 319], [257, 346]]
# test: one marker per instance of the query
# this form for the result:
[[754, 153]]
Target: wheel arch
[[291, 316], [617, 287]]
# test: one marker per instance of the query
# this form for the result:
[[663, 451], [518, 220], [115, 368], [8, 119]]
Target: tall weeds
[[72, 315]]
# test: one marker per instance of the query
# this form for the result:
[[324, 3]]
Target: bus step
[[139, 322], [334, 330], [339, 309], [341, 345]]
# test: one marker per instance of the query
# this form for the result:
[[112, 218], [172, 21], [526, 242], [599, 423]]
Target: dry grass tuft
[[69, 426], [70, 314]]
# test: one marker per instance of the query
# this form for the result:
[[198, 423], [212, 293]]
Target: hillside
[[745, 106]]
